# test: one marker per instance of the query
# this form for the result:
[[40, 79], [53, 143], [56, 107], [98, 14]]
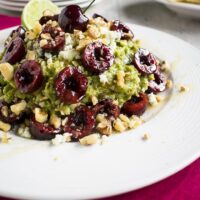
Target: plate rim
[[173, 171]]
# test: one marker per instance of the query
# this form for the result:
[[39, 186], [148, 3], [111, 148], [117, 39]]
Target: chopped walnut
[[5, 139], [5, 126], [119, 125], [93, 31], [30, 55], [104, 127], [94, 100], [183, 89], [89, 140], [83, 43], [120, 79], [43, 42], [145, 136], [169, 84]]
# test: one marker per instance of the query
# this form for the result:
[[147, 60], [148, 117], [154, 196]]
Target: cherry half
[[11, 117], [42, 131], [71, 18], [97, 57], [125, 31], [136, 105], [28, 77], [107, 106], [71, 85], [15, 51], [81, 122], [159, 83], [144, 61], [19, 32]]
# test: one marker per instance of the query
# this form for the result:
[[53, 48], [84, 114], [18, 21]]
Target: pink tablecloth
[[185, 185]]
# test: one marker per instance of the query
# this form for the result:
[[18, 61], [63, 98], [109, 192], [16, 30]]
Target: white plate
[[126, 162], [60, 3], [19, 6], [187, 9]]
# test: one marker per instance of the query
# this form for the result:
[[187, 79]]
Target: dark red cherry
[[126, 33], [145, 62], [42, 131], [97, 57], [19, 32], [81, 122], [136, 105], [159, 83], [107, 106], [15, 51], [44, 19], [71, 18], [71, 85], [95, 15], [28, 77], [57, 40], [9, 116]]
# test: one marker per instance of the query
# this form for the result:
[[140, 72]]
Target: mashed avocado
[[103, 86]]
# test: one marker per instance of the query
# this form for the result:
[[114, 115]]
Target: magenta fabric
[[6, 21], [184, 185]]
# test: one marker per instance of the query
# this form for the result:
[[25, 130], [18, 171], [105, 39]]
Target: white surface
[[125, 162], [187, 9]]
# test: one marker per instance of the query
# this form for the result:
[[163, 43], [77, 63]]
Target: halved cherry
[[97, 57], [19, 32], [136, 105], [28, 77], [145, 62], [15, 51], [107, 106], [81, 122], [126, 33], [7, 116], [42, 131], [71, 85], [159, 84]]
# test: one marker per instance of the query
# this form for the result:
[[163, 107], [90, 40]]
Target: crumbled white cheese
[[69, 54], [48, 55], [68, 47], [152, 99], [68, 39], [60, 139], [24, 132], [103, 78]]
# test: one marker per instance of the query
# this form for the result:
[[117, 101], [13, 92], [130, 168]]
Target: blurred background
[[151, 13]]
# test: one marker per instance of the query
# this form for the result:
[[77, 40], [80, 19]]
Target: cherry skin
[[145, 61], [136, 105], [71, 85], [42, 131], [15, 51], [107, 106], [71, 18], [28, 77], [97, 57], [11, 117], [81, 122]]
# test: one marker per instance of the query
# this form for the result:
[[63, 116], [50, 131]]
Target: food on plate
[[74, 78]]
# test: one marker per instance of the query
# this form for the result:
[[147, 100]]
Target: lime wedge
[[33, 11]]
